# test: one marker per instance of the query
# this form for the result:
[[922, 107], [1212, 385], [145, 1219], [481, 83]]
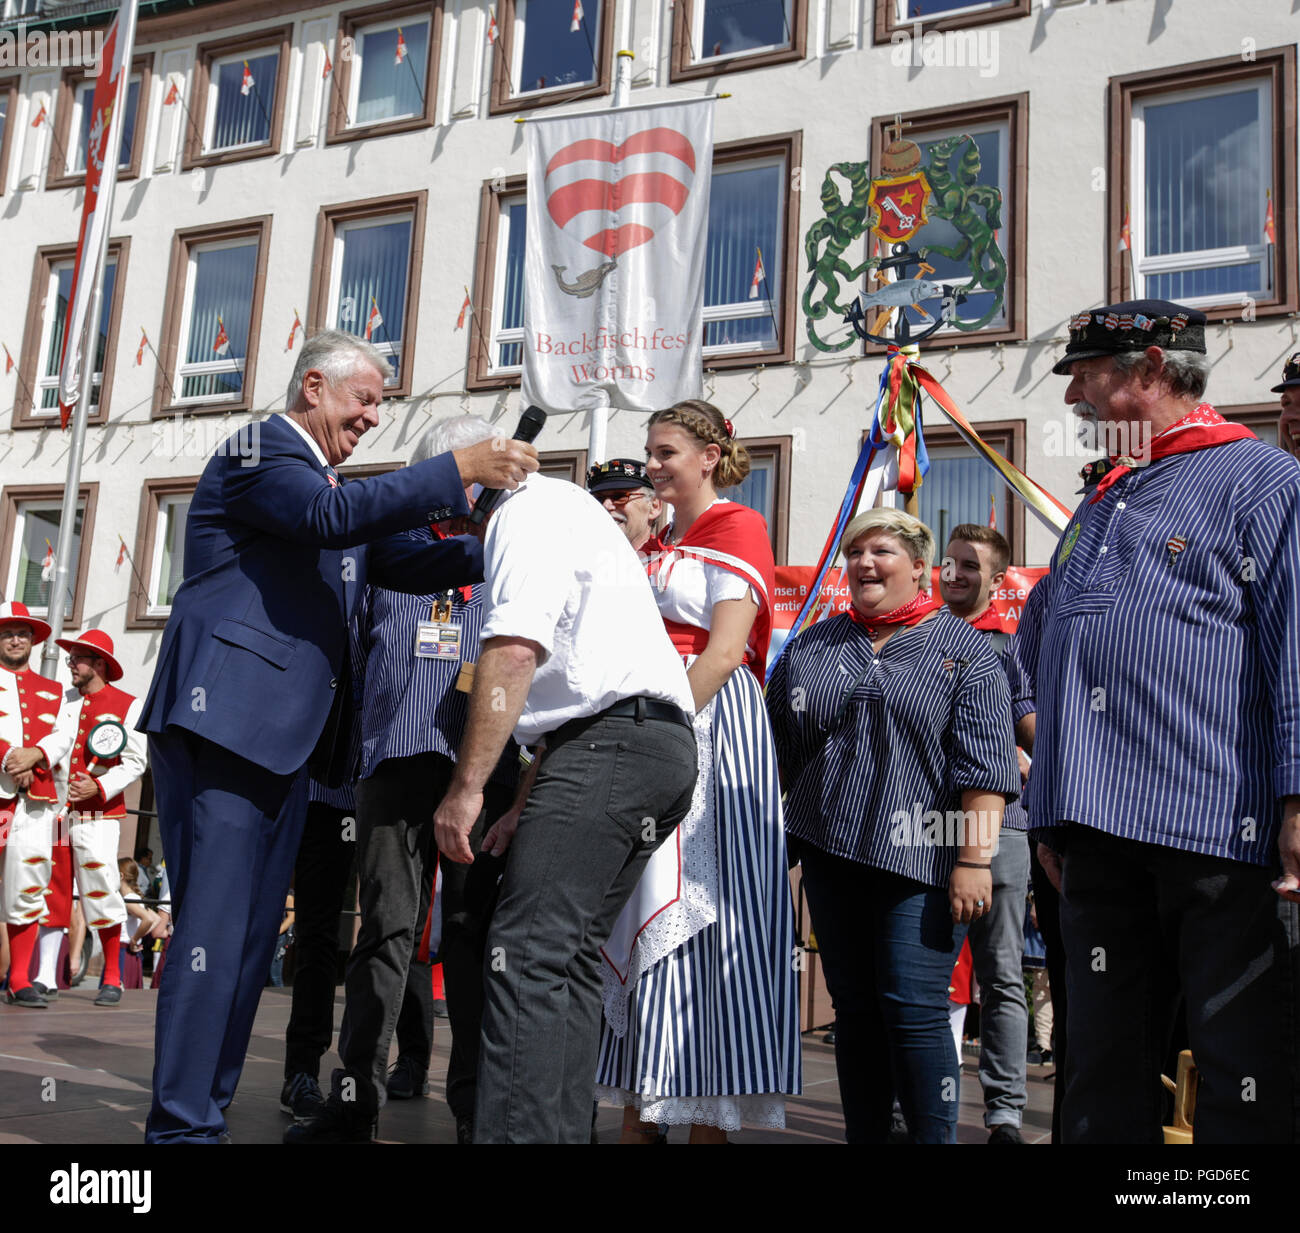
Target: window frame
[[12, 496], [1013, 110], [25, 411], [176, 315], [572, 462], [886, 23], [1278, 66], [147, 543], [206, 54], [779, 450], [480, 374], [501, 101], [1008, 438], [9, 88], [353, 23], [57, 174], [1252, 415], [318, 303], [683, 66]]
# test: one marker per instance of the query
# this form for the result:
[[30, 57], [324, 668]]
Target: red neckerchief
[[990, 618], [911, 613], [1197, 430], [438, 533]]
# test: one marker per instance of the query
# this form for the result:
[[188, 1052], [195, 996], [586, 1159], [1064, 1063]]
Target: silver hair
[[336, 355], [916, 538], [1189, 371], [454, 433]]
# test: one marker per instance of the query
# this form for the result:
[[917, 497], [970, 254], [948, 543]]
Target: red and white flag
[[9, 361], [221, 344], [401, 47], [121, 554], [329, 68], [47, 564], [40, 116], [139, 351], [173, 94], [1270, 227], [374, 320], [246, 82], [107, 108], [993, 511], [576, 24], [293, 331], [760, 276], [1125, 234], [492, 27], [614, 257], [464, 308]]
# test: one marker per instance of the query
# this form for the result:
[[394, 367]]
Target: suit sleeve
[[288, 496], [415, 567]]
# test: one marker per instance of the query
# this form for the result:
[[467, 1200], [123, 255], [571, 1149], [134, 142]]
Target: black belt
[[639, 708]]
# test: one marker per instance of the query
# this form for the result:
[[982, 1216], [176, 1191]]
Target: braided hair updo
[[704, 422]]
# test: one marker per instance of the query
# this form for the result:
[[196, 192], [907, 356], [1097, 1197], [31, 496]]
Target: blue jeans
[[887, 945], [997, 944]]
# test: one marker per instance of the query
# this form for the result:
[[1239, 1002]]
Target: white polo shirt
[[559, 572]]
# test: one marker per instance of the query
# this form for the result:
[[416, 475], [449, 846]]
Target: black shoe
[[1033, 1057], [301, 1096], [1005, 1134], [109, 995], [829, 1038], [440, 1008], [464, 1130], [407, 1079], [335, 1123], [1047, 1057], [26, 997], [50, 995]]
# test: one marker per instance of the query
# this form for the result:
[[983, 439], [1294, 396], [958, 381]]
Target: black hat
[[1133, 325], [618, 473], [1290, 374]]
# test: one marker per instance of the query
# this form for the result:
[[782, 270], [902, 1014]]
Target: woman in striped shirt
[[892, 724], [701, 991]]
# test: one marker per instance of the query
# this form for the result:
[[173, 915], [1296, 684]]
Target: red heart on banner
[[613, 191]]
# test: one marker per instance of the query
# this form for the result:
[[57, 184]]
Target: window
[[212, 315], [721, 36], [767, 487], [961, 487], [1260, 417], [384, 75], [750, 212], [238, 101], [568, 465], [892, 15], [369, 255], [30, 518], [72, 120], [158, 563], [540, 59], [1202, 152], [8, 106], [1000, 130], [37, 399]]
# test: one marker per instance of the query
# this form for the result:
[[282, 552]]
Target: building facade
[[289, 166]]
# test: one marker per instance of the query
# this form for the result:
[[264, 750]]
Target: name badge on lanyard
[[440, 636]]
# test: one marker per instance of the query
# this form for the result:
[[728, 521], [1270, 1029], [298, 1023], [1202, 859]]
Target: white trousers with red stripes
[[27, 861]]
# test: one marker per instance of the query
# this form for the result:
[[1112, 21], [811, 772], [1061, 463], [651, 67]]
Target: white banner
[[618, 211]]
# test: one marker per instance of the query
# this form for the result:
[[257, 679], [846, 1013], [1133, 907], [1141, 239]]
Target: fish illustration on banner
[[614, 259]]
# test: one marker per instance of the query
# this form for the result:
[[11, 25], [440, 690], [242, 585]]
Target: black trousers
[[1047, 906], [1140, 921]]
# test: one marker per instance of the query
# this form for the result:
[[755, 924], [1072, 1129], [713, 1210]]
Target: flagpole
[[72, 484]]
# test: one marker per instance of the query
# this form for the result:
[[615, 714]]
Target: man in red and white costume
[[29, 799], [95, 791]]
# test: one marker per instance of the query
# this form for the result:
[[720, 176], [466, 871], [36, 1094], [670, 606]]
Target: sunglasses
[[620, 497]]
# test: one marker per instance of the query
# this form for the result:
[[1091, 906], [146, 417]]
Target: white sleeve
[[58, 744], [135, 757], [723, 584]]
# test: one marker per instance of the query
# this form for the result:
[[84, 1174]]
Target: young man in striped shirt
[[1167, 758], [974, 565]]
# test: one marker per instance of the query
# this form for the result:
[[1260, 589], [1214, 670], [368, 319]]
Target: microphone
[[530, 424]]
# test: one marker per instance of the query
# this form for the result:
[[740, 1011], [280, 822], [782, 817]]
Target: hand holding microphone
[[501, 466]]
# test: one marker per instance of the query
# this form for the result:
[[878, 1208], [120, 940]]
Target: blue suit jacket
[[275, 561]]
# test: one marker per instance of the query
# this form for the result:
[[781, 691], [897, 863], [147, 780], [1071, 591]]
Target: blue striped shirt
[[880, 780], [1164, 654], [411, 705]]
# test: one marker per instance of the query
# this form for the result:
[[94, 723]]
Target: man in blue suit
[[251, 680]]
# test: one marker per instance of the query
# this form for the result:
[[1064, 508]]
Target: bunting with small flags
[[41, 116], [329, 67], [374, 320], [576, 23], [492, 27], [9, 361], [246, 82], [173, 94], [47, 564], [121, 554], [464, 308], [221, 344], [760, 275], [1270, 227], [400, 54], [1125, 233], [993, 511], [139, 351], [293, 330]]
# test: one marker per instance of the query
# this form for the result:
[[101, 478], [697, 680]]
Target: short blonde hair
[[911, 532]]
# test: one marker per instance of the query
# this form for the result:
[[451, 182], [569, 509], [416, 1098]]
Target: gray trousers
[[997, 945], [607, 794]]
